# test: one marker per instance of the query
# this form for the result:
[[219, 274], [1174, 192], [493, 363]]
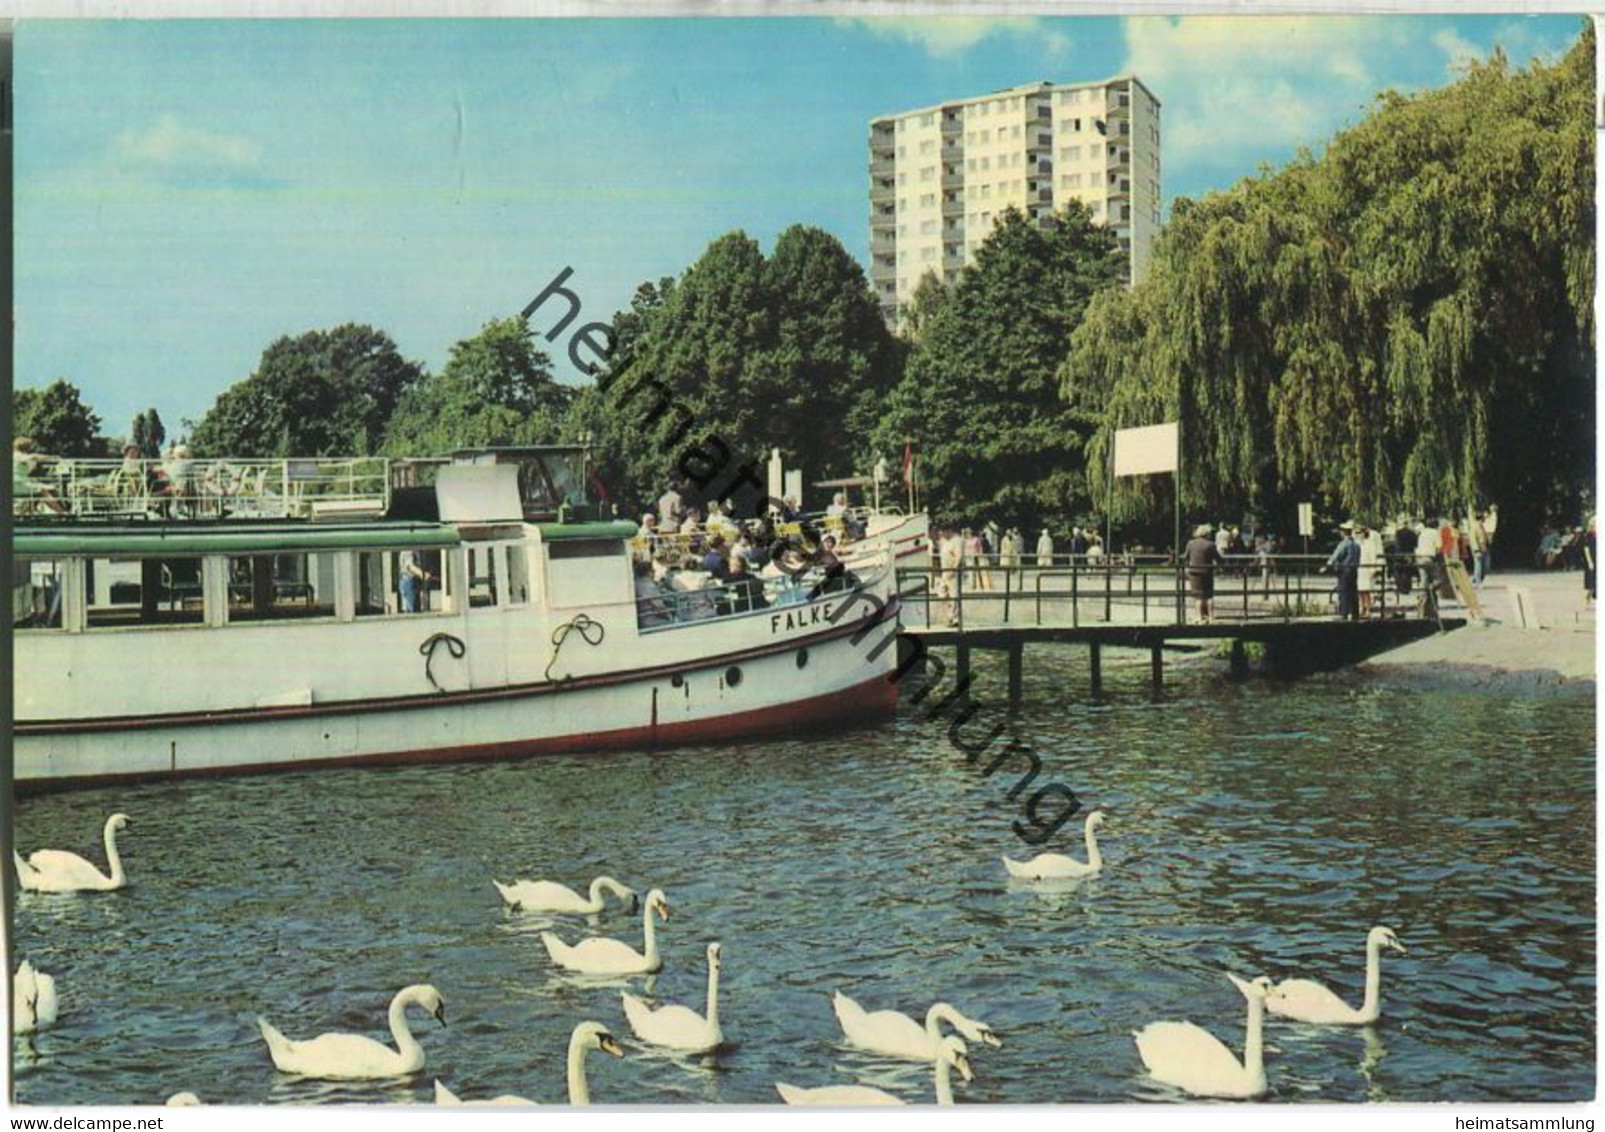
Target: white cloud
[[946, 36], [1234, 85], [171, 144], [1459, 49]]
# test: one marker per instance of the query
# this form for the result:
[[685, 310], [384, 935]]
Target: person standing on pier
[[1346, 561], [1202, 556], [1045, 548]]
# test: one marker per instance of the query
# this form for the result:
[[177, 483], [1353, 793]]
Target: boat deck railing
[[1071, 591], [299, 488], [667, 605]]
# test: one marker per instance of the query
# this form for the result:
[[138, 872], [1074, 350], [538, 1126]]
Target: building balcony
[[952, 123], [880, 274], [953, 207], [882, 192], [1039, 143], [952, 152], [882, 167]]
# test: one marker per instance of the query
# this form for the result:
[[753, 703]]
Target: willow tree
[[1404, 321]]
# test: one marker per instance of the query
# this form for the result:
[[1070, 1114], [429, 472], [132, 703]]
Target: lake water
[[1260, 828]]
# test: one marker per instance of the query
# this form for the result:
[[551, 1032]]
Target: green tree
[[324, 393], [56, 419], [1403, 322], [923, 303], [497, 389], [980, 394], [148, 433], [740, 354]]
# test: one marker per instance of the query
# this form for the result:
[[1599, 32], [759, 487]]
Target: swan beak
[[1399, 947], [991, 1039], [440, 1014], [1238, 983], [964, 1069], [663, 912], [607, 1045]]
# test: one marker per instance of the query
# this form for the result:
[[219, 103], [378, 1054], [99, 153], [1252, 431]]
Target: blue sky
[[189, 191]]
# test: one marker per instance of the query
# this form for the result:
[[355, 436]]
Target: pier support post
[[1239, 660], [963, 657], [1156, 665], [1095, 666], [1016, 666]]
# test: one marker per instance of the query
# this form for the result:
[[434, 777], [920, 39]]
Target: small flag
[[908, 463]]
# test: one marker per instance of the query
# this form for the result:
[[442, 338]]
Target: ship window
[[127, 592], [36, 593], [517, 575], [391, 583], [587, 548], [273, 587], [481, 576]]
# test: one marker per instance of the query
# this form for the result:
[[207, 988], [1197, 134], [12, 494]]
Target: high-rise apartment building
[[940, 177]]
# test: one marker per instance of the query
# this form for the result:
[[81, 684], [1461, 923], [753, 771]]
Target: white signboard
[[1306, 520], [1145, 451], [776, 475], [794, 484]]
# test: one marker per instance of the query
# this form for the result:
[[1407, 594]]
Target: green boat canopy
[[46, 542]]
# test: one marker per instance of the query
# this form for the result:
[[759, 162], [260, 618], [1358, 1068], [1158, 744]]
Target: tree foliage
[[979, 397], [324, 393], [56, 419], [788, 351], [497, 389], [148, 433], [1402, 322]]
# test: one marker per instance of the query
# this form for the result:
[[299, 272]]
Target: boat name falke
[[801, 618]]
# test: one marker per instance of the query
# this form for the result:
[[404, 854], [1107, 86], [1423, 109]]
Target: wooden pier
[[1118, 606]]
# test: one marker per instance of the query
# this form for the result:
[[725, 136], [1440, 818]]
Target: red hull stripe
[[875, 698], [427, 700]]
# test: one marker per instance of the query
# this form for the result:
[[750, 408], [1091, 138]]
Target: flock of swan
[[1179, 1054]]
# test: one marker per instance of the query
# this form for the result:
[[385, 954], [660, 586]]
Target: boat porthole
[[677, 681], [732, 676], [802, 658]]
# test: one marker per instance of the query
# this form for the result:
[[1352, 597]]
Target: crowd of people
[[689, 567]]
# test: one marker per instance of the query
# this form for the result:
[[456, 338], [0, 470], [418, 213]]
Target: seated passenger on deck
[[650, 606], [746, 590]]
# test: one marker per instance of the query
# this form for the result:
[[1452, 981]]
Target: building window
[[1095, 180], [928, 173], [928, 228], [1070, 181]]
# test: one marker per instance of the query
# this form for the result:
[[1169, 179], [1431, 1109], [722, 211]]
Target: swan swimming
[[1307, 1001], [33, 1000], [950, 1054], [1057, 866], [680, 1027], [586, 1036], [897, 1035], [55, 870], [183, 1100], [1197, 1062], [336, 1057], [598, 956], [549, 896]]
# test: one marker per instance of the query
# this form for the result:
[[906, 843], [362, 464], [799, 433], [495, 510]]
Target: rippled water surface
[[1255, 829]]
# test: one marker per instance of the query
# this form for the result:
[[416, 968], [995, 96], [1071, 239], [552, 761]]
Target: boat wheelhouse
[[305, 613]]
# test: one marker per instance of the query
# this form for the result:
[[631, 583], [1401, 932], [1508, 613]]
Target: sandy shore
[[1555, 654]]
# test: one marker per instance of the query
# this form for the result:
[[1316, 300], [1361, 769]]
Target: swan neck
[[405, 1042], [933, 1021], [579, 1092], [651, 937], [597, 887], [113, 859], [1094, 858], [944, 1081], [713, 995], [1373, 983], [1254, 1044]]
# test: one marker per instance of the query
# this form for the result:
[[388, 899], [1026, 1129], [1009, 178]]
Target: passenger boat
[[243, 615]]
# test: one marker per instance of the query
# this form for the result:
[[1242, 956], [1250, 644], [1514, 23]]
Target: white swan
[[680, 1027], [950, 1054], [586, 1036], [1197, 1062], [597, 956], [549, 896], [33, 1000], [335, 1057], [55, 870], [1308, 1001], [897, 1035], [1057, 866], [183, 1100]]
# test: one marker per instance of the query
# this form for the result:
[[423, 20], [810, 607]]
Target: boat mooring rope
[[590, 630], [454, 645]]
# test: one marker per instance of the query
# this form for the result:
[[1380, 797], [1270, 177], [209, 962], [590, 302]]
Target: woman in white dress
[[1371, 556]]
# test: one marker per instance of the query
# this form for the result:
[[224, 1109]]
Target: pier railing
[[1072, 591], [309, 488]]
